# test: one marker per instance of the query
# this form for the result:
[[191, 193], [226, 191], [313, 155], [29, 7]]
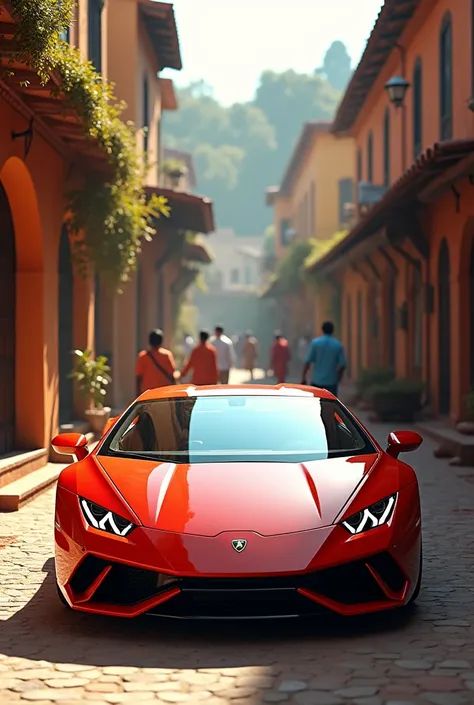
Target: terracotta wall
[[421, 40], [35, 190]]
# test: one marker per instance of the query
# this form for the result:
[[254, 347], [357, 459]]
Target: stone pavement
[[426, 655]]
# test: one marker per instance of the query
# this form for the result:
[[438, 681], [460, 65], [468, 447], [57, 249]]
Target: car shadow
[[44, 629]]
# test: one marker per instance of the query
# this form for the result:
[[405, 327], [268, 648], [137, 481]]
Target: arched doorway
[[7, 325], [471, 302], [65, 328], [444, 330]]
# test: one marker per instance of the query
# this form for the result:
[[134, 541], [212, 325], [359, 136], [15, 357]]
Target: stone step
[[18, 464], [18, 493], [451, 443]]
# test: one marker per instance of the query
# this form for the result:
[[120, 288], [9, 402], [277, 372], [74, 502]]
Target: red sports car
[[237, 502]]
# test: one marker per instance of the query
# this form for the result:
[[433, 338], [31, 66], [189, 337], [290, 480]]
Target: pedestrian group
[[210, 361]]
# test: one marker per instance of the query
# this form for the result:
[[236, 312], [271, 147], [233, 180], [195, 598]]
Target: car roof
[[279, 390]]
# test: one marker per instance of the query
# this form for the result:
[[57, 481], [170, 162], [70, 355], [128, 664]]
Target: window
[[359, 166], [386, 148], [370, 158], [446, 78], [346, 195], [95, 33], [417, 108], [231, 429], [285, 227], [234, 276], [146, 113]]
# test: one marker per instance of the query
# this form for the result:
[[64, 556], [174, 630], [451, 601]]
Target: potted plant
[[397, 400], [466, 426], [175, 171], [92, 377], [367, 379]]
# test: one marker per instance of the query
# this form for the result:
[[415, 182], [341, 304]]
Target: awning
[[188, 211], [160, 23], [44, 107], [197, 252], [428, 168]]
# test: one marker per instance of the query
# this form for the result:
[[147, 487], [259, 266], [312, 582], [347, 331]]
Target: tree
[[336, 66], [243, 149]]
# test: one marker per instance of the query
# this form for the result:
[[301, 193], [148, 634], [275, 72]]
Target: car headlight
[[104, 519], [372, 517]]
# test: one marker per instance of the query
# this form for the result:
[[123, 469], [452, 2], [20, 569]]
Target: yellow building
[[310, 204]]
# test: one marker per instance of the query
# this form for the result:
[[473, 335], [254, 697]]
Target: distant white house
[[237, 262]]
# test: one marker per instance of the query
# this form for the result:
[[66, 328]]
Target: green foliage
[[373, 376], [336, 66], [290, 270], [242, 149], [92, 377], [108, 217], [408, 387], [174, 167], [470, 406], [322, 247]]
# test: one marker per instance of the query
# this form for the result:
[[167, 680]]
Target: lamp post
[[396, 89]]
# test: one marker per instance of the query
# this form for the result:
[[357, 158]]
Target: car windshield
[[237, 429]]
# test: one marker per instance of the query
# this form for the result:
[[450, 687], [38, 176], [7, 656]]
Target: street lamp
[[396, 88]]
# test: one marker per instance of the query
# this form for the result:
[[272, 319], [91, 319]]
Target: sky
[[228, 43]]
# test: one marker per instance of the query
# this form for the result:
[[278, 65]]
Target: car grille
[[348, 584]]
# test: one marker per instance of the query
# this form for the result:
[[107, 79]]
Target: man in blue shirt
[[326, 355]]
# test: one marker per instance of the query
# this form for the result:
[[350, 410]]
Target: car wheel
[[418, 584], [62, 598]]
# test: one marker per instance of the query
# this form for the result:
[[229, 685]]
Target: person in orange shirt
[[203, 363], [156, 366]]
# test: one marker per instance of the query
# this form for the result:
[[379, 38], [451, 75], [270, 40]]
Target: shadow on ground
[[46, 630]]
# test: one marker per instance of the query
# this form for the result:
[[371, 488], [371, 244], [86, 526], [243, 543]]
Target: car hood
[[207, 499]]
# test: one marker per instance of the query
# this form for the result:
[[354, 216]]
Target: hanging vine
[[108, 217]]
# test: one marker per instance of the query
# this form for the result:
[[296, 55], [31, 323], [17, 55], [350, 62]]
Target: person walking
[[155, 367], [225, 353], [280, 357], [326, 355], [202, 362], [249, 353]]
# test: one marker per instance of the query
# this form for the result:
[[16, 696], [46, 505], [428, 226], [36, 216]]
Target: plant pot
[[466, 428], [98, 418], [396, 406]]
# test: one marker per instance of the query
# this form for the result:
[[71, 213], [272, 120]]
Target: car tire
[[414, 597], [62, 598]]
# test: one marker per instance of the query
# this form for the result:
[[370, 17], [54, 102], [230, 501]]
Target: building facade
[[143, 40], [405, 272], [310, 205], [45, 309]]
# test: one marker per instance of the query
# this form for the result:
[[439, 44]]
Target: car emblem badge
[[239, 545]]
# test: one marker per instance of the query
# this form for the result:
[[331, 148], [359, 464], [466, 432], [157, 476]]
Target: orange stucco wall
[[418, 348], [328, 160], [421, 41], [36, 189]]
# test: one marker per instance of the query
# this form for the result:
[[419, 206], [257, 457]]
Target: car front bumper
[[287, 575]]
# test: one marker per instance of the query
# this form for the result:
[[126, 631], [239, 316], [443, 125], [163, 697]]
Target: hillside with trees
[[241, 150]]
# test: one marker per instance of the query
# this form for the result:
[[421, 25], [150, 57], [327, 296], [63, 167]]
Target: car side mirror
[[402, 442], [74, 444]]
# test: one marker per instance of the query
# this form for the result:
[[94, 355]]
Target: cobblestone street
[[49, 654]]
